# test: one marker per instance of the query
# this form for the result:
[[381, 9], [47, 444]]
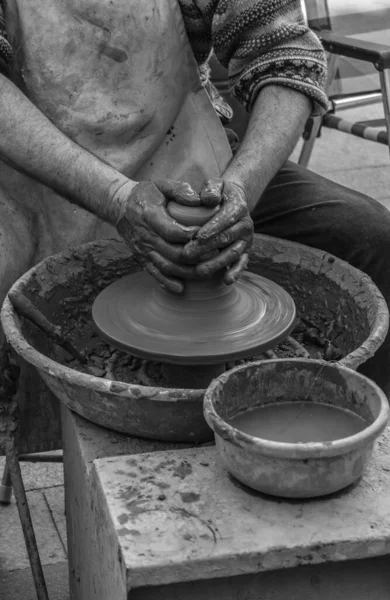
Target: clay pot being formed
[[64, 287]]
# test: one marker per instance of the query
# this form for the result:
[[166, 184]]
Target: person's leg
[[303, 207]]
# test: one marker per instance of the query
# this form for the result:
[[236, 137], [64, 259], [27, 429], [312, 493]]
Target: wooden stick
[[26, 308]]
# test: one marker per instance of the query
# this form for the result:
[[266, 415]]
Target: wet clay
[[103, 360], [294, 422], [210, 323], [330, 318], [190, 216]]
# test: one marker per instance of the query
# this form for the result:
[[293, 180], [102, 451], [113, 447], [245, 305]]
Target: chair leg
[[384, 77], [6, 486], [308, 144], [26, 522]]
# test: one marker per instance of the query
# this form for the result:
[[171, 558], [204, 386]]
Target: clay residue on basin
[[334, 320], [105, 361], [352, 315]]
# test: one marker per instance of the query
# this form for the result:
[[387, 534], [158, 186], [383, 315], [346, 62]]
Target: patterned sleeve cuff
[[6, 53], [301, 73]]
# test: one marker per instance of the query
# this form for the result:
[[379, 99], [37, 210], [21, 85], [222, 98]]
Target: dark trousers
[[304, 207]]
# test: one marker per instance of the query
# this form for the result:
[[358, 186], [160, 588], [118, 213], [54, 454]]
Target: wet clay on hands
[[153, 235], [210, 323], [230, 232]]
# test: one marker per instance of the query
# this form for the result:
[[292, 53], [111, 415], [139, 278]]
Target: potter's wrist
[[251, 175], [118, 198], [243, 183]]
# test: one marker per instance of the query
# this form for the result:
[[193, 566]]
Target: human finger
[[211, 194], [170, 269], [169, 283], [171, 252], [234, 272], [225, 258], [197, 248], [229, 214], [179, 191]]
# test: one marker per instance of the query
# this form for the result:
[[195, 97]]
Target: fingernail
[[175, 288], [202, 238], [172, 287], [230, 279], [189, 250]]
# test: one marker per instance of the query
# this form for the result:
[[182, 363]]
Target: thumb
[[178, 191], [211, 194]]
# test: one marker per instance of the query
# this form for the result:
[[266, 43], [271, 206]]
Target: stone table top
[[179, 516]]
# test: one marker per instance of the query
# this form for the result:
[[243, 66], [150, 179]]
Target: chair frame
[[379, 56]]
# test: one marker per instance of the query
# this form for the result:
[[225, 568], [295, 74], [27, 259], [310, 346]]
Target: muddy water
[[294, 422]]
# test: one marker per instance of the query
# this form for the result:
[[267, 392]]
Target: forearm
[[277, 120], [32, 144]]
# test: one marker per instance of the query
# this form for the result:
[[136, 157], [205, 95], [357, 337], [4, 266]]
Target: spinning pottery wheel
[[196, 333]]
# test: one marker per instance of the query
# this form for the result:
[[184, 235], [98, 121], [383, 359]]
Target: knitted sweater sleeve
[[5, 46], [260, 42]]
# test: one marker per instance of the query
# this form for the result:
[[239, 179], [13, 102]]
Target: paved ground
[[358, 164], [45, 492]]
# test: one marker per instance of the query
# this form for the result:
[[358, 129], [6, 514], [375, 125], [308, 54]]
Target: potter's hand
[[230, 231], [155, 238]]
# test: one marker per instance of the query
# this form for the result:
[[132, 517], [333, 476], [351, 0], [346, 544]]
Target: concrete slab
[[98, 442], [178, 516], [354, 580], [13, 553]]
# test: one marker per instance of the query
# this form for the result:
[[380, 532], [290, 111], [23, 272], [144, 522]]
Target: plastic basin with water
[[294, 470]]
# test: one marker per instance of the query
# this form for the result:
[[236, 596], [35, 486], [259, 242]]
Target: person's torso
[[119, 78]]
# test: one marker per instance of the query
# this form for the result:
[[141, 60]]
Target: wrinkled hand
[[230, 231], [155, 238]]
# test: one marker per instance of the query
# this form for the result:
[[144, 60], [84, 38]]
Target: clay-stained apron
[[119, 78]]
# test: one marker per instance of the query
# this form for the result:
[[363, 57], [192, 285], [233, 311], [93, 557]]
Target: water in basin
[[294, 422]]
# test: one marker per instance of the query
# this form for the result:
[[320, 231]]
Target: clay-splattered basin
[[294, 470], [64, 286]]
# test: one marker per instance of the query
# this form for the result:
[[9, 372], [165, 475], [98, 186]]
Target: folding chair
[[359, 68], [29, 424]]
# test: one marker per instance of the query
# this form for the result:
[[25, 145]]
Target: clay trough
[[337, 299]]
